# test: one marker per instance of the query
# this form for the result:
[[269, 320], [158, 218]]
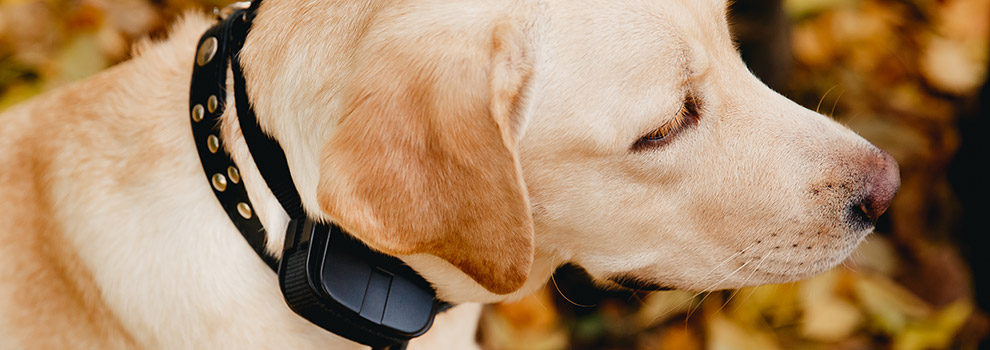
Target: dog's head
[[486, 143]]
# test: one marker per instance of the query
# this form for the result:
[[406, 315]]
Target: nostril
[[860, 215]]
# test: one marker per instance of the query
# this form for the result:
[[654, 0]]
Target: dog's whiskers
[[663, 313], [836, 103], [716, 283], [745, 281], [555, 286], [858, 253], [702, 301], [787, 262], [818, 108], [692, 298], [733, 256], [850, 267]]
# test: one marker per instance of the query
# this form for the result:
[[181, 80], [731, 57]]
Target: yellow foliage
[[893, 71], [935, 332], [827, 316], [725, 334]]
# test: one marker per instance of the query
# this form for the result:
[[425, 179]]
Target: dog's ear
[[424, 158]]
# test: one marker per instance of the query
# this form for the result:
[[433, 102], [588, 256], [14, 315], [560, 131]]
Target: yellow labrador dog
[[482, 142]]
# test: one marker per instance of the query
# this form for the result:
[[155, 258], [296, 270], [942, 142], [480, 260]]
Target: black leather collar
[[217, 48]]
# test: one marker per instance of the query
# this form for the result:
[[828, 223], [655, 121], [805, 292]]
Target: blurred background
[[908, 75]]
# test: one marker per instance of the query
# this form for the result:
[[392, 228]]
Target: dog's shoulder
[[69, 143]]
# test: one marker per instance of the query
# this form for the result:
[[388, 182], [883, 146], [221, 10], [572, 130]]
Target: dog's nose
[[881, 180]]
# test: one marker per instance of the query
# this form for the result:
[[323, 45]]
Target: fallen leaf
[[660, 306], [826, 317], [679, 338], [951, 66], [875, 254], [725, 334], [889, 305], [936, 332], [80, 58], [535, 313]]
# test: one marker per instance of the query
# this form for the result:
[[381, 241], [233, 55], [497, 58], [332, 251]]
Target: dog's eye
[[660, 134], [686, 116]]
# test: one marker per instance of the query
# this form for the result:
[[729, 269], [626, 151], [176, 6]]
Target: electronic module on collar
[[338, 283]]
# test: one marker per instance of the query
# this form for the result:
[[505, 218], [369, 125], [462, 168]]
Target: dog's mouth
[[637, 284]]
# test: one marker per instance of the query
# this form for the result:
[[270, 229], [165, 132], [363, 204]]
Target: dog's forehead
[[613, 68], [635, 34], [640, 17]]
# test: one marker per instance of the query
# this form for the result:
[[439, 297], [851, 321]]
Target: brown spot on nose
[[881, 181]]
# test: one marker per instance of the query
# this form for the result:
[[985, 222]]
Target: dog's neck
[[307, 136], [451, 284]]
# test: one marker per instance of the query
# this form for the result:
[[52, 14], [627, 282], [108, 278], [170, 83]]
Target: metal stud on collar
[[219, 182], [207, 50], [244, 209], [233, 174], [213, 143], [212, 103], [198, 112]]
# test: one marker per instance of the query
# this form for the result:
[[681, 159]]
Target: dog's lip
[[637, 284]]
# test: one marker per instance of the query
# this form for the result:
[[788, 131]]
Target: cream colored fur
[[110, 237]]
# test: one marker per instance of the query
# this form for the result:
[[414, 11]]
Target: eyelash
[[686, 116]]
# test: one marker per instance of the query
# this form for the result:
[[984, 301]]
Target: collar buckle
[[223, 14]]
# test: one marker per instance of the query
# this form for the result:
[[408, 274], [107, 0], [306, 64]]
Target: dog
[[483, 143]]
